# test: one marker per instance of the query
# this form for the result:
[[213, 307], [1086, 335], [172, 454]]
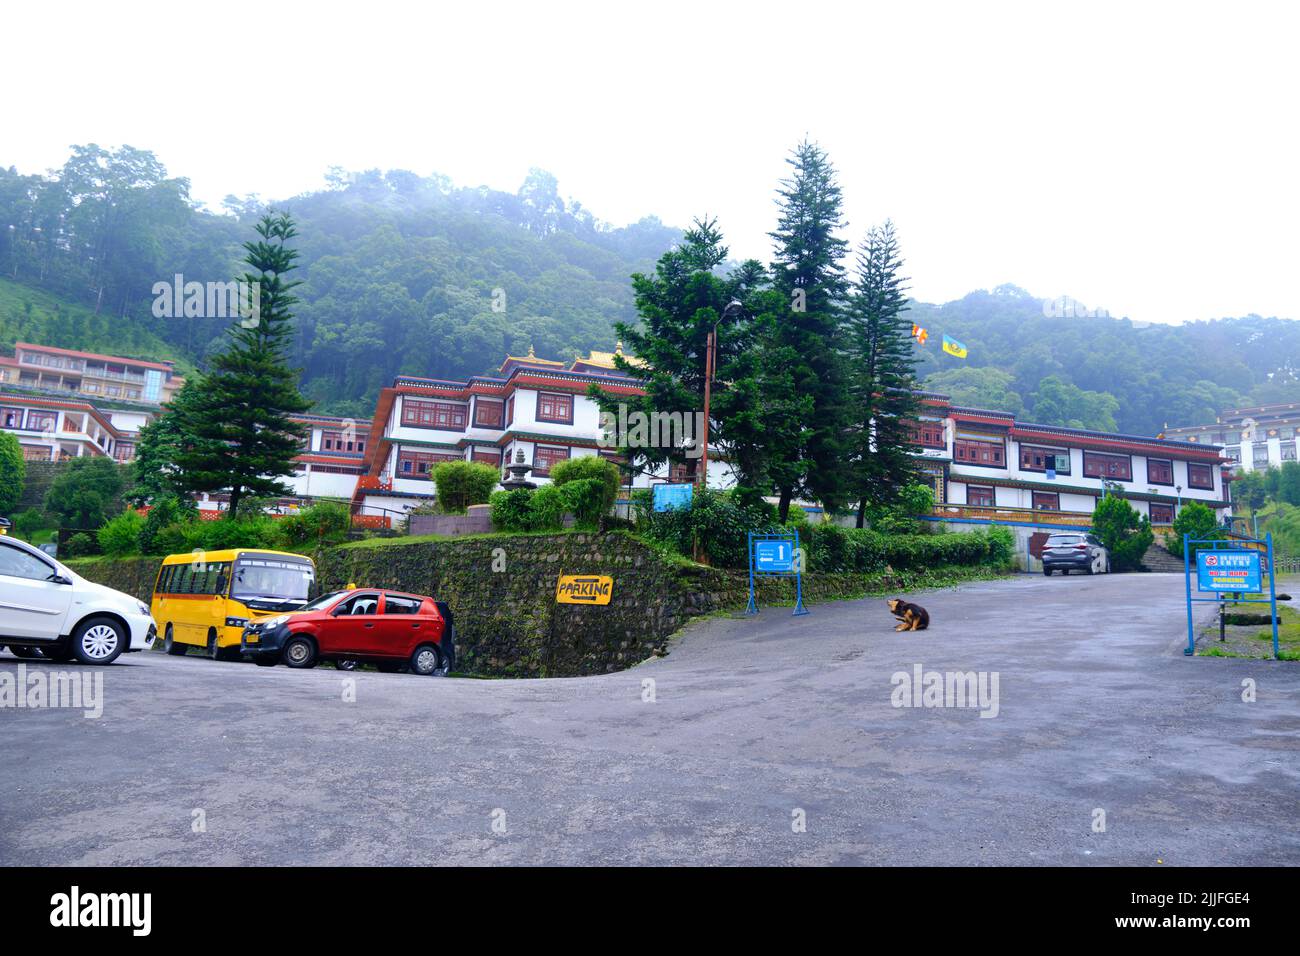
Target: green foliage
[[165, 510], [29, 521], [1002, 545], [464, 483], [120, 536], [525, 509], [1125, 533], [900, 517], [1197, 520], [321, 524], [13, 471], [80, 545], [716, 521], [184, 537], [238, 433], [589, 485], [834, 548], [85, 492]]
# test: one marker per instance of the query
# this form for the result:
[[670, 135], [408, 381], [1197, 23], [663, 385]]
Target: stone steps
[[1160, 559]]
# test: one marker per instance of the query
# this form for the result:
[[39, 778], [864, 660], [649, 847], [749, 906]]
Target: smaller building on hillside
[[1264, 436], [57, 430], [985, 463]]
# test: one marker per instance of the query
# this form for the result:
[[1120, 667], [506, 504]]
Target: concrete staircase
[[1160, 559]]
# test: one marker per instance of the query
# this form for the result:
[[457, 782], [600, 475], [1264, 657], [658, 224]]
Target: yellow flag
[[953, 347]]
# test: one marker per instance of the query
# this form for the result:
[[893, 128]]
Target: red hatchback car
[[387, 628]]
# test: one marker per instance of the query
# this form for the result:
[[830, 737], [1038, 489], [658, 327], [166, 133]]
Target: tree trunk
[[862, 512], [783, 509], [235, 494]]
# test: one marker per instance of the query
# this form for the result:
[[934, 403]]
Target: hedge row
[[832, 548]]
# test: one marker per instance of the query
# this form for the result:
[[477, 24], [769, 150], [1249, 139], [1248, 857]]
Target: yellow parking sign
[[584, 589]]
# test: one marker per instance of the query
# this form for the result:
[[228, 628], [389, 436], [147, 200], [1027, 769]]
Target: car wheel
[[98, 640], [28, 653], [1047, 571], [170, 645], [426, 661], [299, 653]]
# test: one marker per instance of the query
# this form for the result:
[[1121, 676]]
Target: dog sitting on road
[[911, 617]]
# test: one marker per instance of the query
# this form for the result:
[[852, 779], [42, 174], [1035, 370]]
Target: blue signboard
[[776, 554], [672, 497], [1227, 571]]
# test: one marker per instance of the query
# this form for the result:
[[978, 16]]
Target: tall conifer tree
[[238, 431], [882, 379], [809, 379]]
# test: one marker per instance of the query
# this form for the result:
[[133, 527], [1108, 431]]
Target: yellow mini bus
[[205, 599]]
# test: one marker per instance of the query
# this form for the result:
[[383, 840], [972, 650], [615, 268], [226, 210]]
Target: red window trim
[[551, 460], [421, 413], [1053, 496], [971, 491], [1098, 456], [416, 458], [967, 451], [482, 405], [1044, 450], [1166, 513], [358, 444], [492, 458], [1151, 479], [557, 400], [927, 434], [1194, 468]]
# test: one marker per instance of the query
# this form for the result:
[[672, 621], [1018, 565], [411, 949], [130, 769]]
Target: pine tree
[[238, 434], [808, 388], [679, 305], [882, 377]]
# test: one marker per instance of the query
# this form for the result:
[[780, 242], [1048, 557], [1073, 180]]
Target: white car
[[48, 610]]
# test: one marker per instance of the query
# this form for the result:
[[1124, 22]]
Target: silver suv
[[1074, 551]]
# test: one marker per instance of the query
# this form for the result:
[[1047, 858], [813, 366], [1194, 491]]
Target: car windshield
[[271, 579], [325, 600]]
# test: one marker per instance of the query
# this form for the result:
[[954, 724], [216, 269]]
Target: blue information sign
[[775, 554], [672, 497], [1228, 571]]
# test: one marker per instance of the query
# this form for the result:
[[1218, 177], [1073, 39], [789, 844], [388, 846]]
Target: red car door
[[406, 625], [353, 626]]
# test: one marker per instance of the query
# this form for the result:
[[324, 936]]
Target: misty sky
[[1140, 157]]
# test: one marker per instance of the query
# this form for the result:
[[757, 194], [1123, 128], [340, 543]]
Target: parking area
[[775, 740]]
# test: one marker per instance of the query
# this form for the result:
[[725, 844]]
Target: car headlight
[[275, 621], [236, 622], [142, 607]]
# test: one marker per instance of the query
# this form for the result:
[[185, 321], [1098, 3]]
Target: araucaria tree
[[882, 381], [679, 305], [807, 437], [238, 433]]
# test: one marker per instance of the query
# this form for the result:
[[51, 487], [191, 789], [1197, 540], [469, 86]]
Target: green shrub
[[512, 510], [30, 521], [167, 510], [547, 507], [1001, 545], [84, 491], [591, 468], [464, 483], [80, 545], [120, 536], [1198, 521], [716, 522], [321, 524], [587, 499], [1125, 533], [13, 471]]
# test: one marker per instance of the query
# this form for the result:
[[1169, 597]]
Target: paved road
[[753, 720]]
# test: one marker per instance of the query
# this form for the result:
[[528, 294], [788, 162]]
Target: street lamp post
[[710, 366]]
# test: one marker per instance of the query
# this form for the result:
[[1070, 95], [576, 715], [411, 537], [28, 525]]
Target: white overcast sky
[[1141, 157]]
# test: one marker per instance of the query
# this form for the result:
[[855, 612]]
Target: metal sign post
[[1226, 568], [776, 554]]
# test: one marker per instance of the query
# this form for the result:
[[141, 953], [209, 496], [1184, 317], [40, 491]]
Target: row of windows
[[36, 421], [339, 441], [553, 407], [1160, 471], [983, 496], [420, 464], [194, 578]]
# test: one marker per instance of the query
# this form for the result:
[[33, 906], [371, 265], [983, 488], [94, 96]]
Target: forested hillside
[[410, 274], [1101, 372]]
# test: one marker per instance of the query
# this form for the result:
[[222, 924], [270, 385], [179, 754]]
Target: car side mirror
[[57, 578]]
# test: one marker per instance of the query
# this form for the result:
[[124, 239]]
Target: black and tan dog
[[911, 617]]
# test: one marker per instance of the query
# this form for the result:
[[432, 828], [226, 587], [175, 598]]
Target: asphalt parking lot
[[755, 725]]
